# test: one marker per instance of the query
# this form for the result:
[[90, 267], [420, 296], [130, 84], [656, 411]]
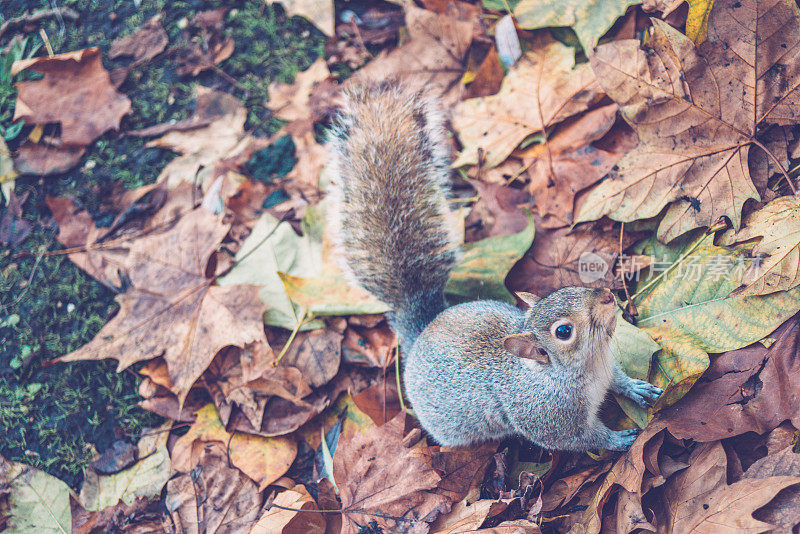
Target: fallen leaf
[[201, 147], [380, 402], [488, 77], [276, 520], [213, 47], [142, 517], [376, 472], [695, 134], [262, 459], [373, 347], [13, 228], [467, 517], [432, 57], [686, 311], [590, 19], [42, 159], [213, 497], [543, 88], [784, 510], [145, 478], [291, 102], [698, 499], [697, 20], [37, 502], [752, 389], [316, 354], [271, 247], [173, 310], [142, 45], [75, 92], [559, 258], [484, 265], [318, 12], [633, 349], [8, 174], [778, 250], [497, 211]]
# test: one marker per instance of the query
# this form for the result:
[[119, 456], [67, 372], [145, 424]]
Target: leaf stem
[[288, 343]]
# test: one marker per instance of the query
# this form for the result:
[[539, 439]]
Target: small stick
[[59, 12]]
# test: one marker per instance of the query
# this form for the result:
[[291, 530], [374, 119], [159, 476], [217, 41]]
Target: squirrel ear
[[528, 298], [526, 346]]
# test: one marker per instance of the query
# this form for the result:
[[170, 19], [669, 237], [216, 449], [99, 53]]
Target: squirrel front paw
[[642, 393], [621, 440]]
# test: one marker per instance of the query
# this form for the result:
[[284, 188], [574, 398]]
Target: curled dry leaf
[[698, 499], [695, 116], [432, 57], [142, 45], [542, 89], [291, 102], [275, 520], [752, 389], [784, 510], [377, 473], [173, 310], [213, 497], [202, 147], [75, 92]]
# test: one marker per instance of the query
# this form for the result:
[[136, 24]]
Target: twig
[[59, 12]]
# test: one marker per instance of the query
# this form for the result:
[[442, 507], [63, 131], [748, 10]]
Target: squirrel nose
[[607, 297]]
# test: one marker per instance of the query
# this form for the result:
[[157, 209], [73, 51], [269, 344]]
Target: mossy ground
[[54, 417]]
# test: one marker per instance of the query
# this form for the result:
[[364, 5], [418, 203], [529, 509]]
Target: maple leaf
[[432, 57], [698, 499], [589, 18], [376, 472], [697, 112], [543, 88], [173, 310], [75, 91]]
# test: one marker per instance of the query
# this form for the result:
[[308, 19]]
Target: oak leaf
[[697, 112], [173, 309], [543, 88]]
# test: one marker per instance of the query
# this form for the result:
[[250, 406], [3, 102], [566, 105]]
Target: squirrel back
[[390, 215]]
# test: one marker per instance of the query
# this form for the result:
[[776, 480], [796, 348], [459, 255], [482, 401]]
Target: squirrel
[[481, 370]]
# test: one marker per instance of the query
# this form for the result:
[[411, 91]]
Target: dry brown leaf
[[432, 57], [319, 12], [697, 112], [75, 92], [698, 499], [543, 88], [142, 45], [556, 258], [488, 77], [214, 497], [373, 347], [276, 520], [291, 101], [376, 472], [468, 516], [750, 389], [214, 47], [380, 402], [784, 510], [317, 354], [497, 211], [42, 159], [13, 228], [201, 147], [173, 310]]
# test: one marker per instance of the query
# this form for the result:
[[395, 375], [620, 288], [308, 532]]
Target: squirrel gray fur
[[481, 370]]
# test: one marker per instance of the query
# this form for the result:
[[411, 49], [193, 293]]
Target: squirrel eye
[[564, 331]]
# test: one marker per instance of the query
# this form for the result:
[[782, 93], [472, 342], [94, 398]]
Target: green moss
[[55, 416]]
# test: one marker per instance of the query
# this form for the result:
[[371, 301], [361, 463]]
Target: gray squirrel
[[477, 371]]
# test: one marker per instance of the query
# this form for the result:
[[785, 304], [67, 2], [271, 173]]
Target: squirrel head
[[571, 327]]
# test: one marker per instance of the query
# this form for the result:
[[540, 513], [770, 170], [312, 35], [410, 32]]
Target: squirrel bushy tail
[[390, 214]]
